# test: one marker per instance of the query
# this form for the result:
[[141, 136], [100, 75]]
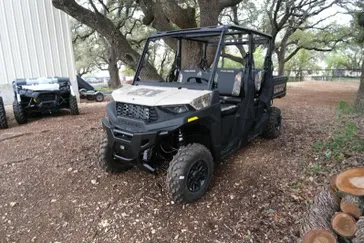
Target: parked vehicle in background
[[42, 95], [3, 121], [87, 91]]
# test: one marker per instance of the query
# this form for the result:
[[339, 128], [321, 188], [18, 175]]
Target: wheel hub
[[197, 176], [279, 123]]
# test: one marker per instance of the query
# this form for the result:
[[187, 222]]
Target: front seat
[[229, 86]]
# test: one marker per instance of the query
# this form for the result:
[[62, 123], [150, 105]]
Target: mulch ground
[[52, 191]]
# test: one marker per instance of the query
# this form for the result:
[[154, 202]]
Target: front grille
[[140, 112], [46, 97]]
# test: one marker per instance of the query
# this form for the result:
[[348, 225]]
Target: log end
[[333, 182], [351, 181], [343, 224], [319, 236], [351, 209]]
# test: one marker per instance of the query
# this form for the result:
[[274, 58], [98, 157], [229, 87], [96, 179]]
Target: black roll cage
[[221, 31]]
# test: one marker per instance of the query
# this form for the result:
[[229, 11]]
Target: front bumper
[[128, 146]]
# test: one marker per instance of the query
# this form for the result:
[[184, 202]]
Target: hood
[[41, 87], [156, 96], [40, 84]]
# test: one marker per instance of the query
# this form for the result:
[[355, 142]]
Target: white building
[[35, 41]]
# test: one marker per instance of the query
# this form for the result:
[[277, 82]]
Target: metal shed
[[35, 41]]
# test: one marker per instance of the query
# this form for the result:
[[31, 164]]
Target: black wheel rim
[[197, 176], [279, 123]]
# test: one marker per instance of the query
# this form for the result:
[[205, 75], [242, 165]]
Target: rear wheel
[[20, 114], [190, 173], [274, 126], [107, 162], [74, 105], [99, 97], [3, 121]]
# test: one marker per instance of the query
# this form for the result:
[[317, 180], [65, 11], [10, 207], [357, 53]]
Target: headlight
[[201, 102], [176, 109]]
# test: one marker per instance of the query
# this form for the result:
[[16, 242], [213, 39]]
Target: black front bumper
[[43, 101], [129, 146]]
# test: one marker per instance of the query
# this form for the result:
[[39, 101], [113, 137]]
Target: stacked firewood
[[337, 213]]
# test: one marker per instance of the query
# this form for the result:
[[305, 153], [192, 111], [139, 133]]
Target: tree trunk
[[106, 28], [316, 224], [352, 205], [359, 103], [359, 234], [344, 224], [113, 68], [209, 12], [281, 61]]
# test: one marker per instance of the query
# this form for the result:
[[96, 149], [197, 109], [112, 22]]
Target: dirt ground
[[52, 191]]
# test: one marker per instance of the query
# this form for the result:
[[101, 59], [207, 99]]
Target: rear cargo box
[[280, 86]]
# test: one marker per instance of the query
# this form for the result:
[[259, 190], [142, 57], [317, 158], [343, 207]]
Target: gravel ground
[[52, 191]]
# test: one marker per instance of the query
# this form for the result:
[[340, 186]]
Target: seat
[[228, 109], [229, 86], [185, 74]]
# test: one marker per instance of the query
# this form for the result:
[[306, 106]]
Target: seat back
[[229, 81], [185, 74]]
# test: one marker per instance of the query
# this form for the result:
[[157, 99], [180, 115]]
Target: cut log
[[351, 181], [352, 205], [316, 224], [333, 182], [319, 236], [359, 234], [344, 224]]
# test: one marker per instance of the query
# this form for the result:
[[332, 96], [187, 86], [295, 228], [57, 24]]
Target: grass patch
[[345, 140], [104, 89]]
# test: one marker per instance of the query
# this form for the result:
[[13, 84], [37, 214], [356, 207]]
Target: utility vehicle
[[42, 95], [197, 114], [87, 91], [3, 121]]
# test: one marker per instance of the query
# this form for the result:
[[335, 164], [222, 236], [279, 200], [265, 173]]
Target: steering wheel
[[198, 79]]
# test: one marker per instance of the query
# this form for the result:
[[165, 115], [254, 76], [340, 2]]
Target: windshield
[[179, 59], [205, 58]]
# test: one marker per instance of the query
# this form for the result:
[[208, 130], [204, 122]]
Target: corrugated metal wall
[[35, 41]]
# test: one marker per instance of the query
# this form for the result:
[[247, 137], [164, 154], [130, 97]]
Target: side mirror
[[361, 19]]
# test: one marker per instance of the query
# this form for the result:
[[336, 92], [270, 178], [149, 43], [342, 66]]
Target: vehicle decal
[[146, 92]]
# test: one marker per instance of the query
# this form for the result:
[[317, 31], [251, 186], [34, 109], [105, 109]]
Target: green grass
[[104, 89], [345, 140]]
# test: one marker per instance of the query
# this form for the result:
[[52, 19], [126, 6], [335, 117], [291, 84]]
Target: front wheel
[[107, 162], [20, 114], [190, 173], [74, 105], [3, 121], [99, 97], [274, 126]]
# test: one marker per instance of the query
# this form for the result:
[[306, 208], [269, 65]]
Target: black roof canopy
[[210, 31]]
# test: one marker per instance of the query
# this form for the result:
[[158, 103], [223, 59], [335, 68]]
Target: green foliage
[[346, 56], [303, 60], [228, 63], [127, 71], [259, 56], [87, 49], [344, 107]]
